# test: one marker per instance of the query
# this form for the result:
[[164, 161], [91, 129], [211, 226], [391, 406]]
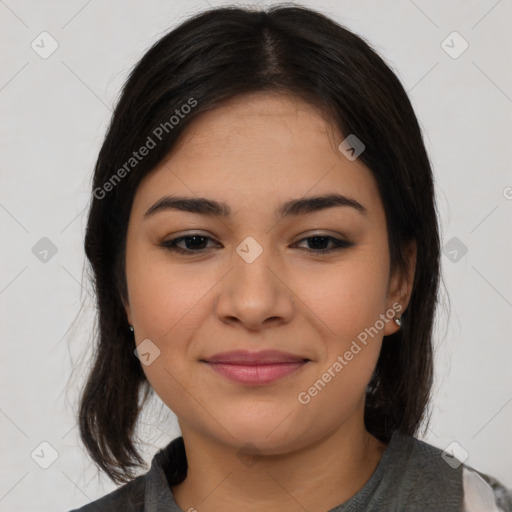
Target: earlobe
[[400, 289], [394, 324], [405, 277]]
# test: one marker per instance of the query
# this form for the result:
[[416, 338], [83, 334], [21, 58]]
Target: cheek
[[347, 298], [164, 298], [168, 304], [169, 380]]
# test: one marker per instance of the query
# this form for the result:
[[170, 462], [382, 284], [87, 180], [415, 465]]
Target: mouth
[[255, 368]]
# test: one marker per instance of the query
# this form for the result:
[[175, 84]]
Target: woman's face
[[253, 279]]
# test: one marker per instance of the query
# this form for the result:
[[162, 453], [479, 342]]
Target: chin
[[268, 434]]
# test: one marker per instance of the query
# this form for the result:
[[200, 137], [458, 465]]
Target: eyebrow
[[295, 207]]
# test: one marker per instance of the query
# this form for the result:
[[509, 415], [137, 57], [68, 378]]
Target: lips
[[255, 368], [246, 357]]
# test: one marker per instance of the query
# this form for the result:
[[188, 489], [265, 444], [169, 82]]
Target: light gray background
[[54, 114]]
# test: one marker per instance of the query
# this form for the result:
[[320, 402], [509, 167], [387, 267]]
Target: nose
[[255, 294]]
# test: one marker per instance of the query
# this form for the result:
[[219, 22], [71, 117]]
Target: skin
[[254, 153]]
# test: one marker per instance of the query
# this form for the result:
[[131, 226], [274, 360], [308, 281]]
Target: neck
[[317, 477]]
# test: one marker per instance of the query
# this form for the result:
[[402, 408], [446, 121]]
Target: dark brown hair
[[211, 57]]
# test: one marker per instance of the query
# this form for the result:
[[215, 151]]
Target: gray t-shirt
[[411, 476]]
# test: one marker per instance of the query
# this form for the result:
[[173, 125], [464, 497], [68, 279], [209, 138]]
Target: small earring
[[398, 321], [131, 327]]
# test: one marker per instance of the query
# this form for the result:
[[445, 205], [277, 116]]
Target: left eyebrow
[[302, 206]]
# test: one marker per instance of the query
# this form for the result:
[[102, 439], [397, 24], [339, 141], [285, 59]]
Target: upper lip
[[246, 357]]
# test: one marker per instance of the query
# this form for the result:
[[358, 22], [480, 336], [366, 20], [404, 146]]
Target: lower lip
[[256, 374]]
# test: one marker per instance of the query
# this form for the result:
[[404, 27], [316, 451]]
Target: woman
[[264, 242]]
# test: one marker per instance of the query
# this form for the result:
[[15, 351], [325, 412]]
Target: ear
[[400, 288], [128, 311]]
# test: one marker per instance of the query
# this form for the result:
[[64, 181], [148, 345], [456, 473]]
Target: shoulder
[[441, 471], [128, 498], [168, 466], [430, 479], [484, 493], [428, 460]]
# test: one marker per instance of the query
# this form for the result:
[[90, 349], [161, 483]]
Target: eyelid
[[339, 244], [170, 244], [320, 233]]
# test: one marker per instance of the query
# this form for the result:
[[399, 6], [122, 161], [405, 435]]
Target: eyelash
[[171, 244]]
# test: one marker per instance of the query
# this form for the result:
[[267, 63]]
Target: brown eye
[[194, 243], [317, 244]]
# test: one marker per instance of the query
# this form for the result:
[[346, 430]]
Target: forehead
[[256, 149], [268, 117]]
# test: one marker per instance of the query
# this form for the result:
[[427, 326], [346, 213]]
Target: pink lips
[[255, 368]]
